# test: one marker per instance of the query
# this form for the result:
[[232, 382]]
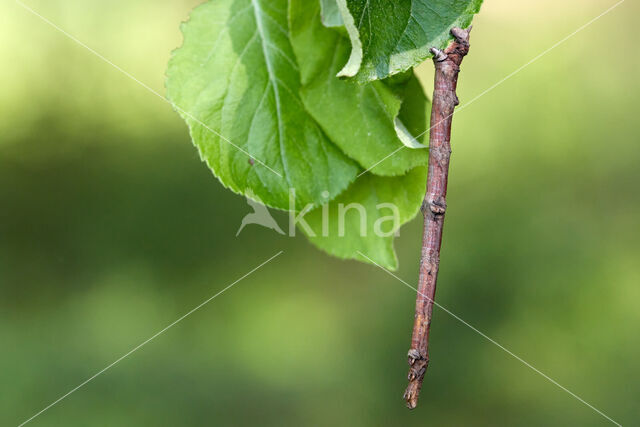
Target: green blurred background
[[111, 228]]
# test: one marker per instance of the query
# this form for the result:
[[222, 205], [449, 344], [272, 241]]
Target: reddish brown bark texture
[[447, 65]]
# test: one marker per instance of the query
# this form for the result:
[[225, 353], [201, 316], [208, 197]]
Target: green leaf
[[414, 111], [331, 14], [343, 232], [236, 83], [368, 122], [391, 36]]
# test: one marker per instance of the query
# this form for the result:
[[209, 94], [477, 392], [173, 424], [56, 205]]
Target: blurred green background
[[111, 228]]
